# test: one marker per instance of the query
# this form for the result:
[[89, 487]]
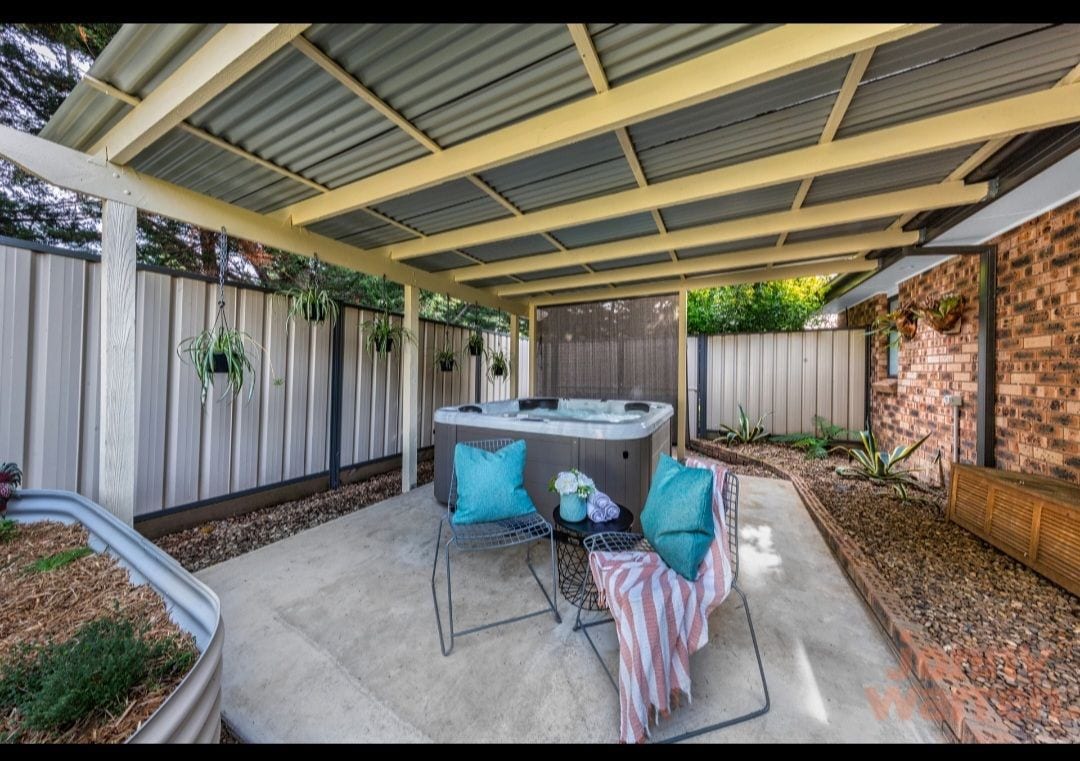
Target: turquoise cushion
[[490, 485], [677, 519]]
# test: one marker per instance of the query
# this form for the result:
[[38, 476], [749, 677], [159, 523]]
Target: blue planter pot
[[572, 507]]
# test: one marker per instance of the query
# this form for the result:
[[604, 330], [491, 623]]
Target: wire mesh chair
[[478, 537], [627, 542]]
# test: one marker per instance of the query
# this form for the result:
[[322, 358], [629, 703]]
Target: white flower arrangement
[[572, 481]]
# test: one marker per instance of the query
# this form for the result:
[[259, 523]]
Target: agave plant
[[743, 432], [476, 345], [943, 314], [314, 304], [882, 466], [498, 364], [381, 332], [10, 480], [447, 359]]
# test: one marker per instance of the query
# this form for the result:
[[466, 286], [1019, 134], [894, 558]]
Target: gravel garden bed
[[1015, 635], [217, 541], [84, 655]]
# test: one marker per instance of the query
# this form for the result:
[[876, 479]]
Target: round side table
[[574, 561]]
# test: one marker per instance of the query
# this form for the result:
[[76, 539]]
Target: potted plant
[[381, 332], [312, 303], [10, 480], [498, 364], [944, 313], [903, 321], [476, 345], [574, 489], [447, 359]]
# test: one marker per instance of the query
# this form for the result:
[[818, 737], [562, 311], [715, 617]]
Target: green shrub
[[59, 560], [818, 444], [8, 530], [55, 685]]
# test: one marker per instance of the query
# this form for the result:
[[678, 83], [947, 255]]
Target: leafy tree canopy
[[755, 307]]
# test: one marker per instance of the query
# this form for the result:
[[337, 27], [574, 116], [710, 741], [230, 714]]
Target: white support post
[[532, 349], [515, 356], [410, 390], [116, 459], [680, 408]]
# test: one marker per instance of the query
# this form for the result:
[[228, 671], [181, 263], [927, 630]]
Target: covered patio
[[331, 637]]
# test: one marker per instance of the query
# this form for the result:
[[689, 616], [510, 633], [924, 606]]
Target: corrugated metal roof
[[510, 249], [749, 203], [446, 260], [361, 229], [489, 282], [83, 118], [893, 175], [632, 261], [184, 159], [557, 272], [443, 207], [606, 230], [1021, 65], [576, 171], [457, 81], [849, 228], [942, 41], [731, 245], [629, 51], [776, 268]]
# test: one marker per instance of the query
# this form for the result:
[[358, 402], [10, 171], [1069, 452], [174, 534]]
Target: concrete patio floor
[[330, 636]]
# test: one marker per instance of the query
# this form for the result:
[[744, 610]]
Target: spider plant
[[943, 314], [899, 324], [221, 350], [314, 304], [476, 345], [447, 359], [743, 432], [10, 480], [381, 332], [498, 364], [882, 466]]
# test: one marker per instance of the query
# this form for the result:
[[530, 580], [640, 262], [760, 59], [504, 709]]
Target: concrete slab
[[330, 636]]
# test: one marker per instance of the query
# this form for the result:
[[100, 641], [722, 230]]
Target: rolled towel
[[601, 508]]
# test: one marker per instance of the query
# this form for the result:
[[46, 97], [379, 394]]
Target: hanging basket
[[498, 372], [221, 362], [447, 365], [384, 344]]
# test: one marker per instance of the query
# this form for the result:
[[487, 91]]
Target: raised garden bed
[[103, 638], [217, 541], [981, 626]]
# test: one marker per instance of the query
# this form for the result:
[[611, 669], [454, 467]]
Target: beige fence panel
[[793, 376]]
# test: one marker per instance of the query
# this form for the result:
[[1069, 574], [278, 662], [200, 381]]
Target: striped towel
[[661, 618]]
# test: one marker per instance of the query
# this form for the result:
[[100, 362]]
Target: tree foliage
[[755, 307], [41, 65]]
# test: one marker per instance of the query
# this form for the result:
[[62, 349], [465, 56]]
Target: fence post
[[337, 381], [702, 383]]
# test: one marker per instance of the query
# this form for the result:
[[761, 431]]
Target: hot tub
[[616, 442]]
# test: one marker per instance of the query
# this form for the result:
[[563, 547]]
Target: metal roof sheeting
[[447, 260], [606, 230], [629, 51], [361, 229], [458, 81], [489, 282], [580, 170], [724, 248], [631, 261], [443, 207], [511, 249], [849, 228], [1014, 67], [557, 272], [893, 175], [748, 203]]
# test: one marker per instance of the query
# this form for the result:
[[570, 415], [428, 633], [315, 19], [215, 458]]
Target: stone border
[[963, 708]]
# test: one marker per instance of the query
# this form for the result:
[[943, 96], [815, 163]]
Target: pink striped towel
[[661, 618]]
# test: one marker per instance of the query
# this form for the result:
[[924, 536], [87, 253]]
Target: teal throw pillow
[[490, 485], [677, 519]]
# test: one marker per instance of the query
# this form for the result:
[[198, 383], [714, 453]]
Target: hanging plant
[[313, 303], [944, 313], [381, 332], [220, 349], [476, 345], [447, 356], [904, 322], [498, 364]]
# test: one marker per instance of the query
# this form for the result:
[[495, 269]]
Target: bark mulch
[[1015, 635], [217, 541], [49, 606]]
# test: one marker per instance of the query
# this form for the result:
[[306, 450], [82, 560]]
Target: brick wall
[[1038, 355]]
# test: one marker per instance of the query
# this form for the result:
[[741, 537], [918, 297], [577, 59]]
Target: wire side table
[[573, 560]]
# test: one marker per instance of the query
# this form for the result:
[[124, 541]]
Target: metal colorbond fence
[[188, 452]]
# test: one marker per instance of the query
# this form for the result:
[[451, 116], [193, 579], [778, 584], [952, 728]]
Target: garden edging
[[963, 709]]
